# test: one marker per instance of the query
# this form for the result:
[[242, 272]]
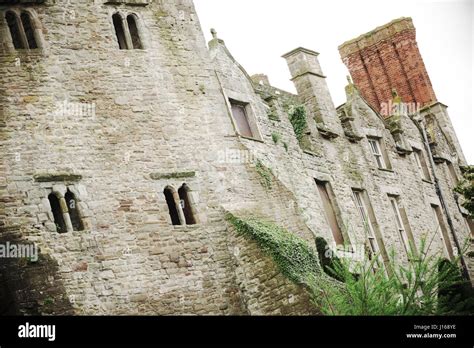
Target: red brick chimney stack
[[388, 58]]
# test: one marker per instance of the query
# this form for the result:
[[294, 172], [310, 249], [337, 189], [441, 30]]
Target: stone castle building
[[125, 140]]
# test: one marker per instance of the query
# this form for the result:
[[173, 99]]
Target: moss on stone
[[266, 175], [62, 177], [175, 175]]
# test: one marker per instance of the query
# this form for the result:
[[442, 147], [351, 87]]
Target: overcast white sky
[[258, 32]]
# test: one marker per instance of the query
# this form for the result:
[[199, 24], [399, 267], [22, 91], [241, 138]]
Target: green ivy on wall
[[297, 116], [293, 256], [266, 175]]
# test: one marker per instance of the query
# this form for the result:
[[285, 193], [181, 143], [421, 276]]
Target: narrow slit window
[[134, 33], [71, 202], [57, 213], [14, 26], [185, 203], [172, 206], [29, 30], [119, 31]]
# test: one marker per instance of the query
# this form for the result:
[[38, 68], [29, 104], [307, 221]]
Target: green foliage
[[328, 263], [276, 137], [285, 145], [49, 301], [297, 116], [266, 175], [294, 257], [466, 188], [272, 115], [411, 289], [427, 285]]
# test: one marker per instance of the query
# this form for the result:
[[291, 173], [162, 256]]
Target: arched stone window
[[29, 30], [173, 205], [120, 31], [58, 214], [22, 30], [15, 31], [186, 206], [134, 33], [71, 202]]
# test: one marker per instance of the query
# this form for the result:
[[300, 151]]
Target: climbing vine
[[347, 288], [293, 256], [297, 116], [266, 175]]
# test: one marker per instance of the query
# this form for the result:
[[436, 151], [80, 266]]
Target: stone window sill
[[249, 138], [185, 228]]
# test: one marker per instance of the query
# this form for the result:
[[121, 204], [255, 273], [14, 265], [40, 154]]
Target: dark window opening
[[57, 213], [29, 30], [14, 27], [71, 202], [239, 112], [186, 205], [133, 28], [170, 200], [119, 31]]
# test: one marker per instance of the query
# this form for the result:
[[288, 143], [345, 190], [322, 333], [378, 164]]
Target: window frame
[[245, 109], [64, 211], [183, 219], [454, 178], [364, 214], [400, 224], [379, 153], [24, 39], [338, 234], [420, 160], [442, 231], [128, 42]]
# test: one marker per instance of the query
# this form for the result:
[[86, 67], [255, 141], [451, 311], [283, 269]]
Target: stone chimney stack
[[388, 58], [311, 85], [261, 79]]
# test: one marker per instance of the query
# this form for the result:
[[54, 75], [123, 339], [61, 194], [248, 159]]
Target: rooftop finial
[[214, 33]]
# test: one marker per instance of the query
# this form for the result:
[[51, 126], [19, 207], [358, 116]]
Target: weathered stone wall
[[158, 111], [344, 162], [153, 117]]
